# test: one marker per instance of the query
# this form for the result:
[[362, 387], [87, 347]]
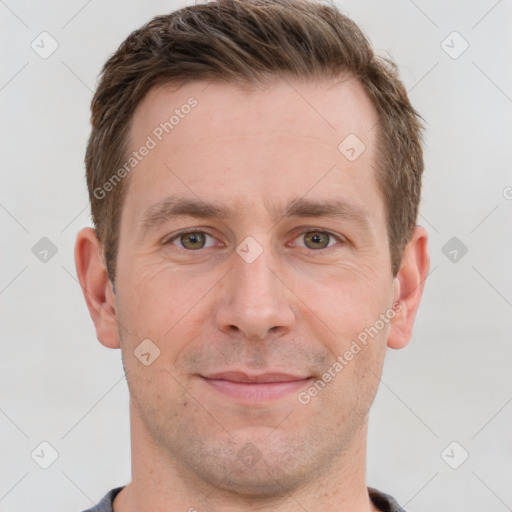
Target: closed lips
[[236, 376]]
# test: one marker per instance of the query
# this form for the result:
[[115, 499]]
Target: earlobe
[[96, 287], [408, 288]]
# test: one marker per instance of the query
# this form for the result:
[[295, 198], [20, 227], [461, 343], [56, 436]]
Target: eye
[[313, 239], [318, 240], [191, 240]]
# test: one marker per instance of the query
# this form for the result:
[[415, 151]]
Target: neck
[[160, 484]]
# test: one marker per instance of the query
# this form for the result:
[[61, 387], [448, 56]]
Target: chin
[[259, 470], [261, 482]]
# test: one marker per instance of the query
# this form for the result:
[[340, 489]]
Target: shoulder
[[384, 502], [105, 504]]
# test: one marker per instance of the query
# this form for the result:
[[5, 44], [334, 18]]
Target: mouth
[[253, 389]]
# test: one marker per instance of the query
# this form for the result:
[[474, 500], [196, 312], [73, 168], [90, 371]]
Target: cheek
[[356, 309], [164, 305], [157, 295], [350, 300]]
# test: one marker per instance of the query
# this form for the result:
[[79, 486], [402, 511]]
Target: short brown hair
[[251, 42]]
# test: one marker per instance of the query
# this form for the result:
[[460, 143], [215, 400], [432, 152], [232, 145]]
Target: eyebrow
[[173, 207]]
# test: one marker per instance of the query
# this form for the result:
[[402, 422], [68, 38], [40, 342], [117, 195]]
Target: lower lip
[[255, 392]]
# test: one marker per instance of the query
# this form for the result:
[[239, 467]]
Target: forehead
[[266, 145], [322, 109]]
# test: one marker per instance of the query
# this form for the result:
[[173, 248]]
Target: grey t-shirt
[[383, 502]]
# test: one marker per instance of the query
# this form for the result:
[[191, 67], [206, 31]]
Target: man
[[254, 173]]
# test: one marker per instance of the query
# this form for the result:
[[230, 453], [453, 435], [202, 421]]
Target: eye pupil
[[193, 240], [315, 237]]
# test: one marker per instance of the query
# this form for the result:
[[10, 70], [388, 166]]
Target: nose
[[253, 300]]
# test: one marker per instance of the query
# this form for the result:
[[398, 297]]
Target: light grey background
[[452, 383]]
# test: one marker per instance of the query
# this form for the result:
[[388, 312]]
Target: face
[[253, 249]]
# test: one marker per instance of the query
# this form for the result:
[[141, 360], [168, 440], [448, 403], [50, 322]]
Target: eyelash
[[339, 239]]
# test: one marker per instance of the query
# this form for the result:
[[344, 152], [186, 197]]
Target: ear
[[96, 287], [409, 284]]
